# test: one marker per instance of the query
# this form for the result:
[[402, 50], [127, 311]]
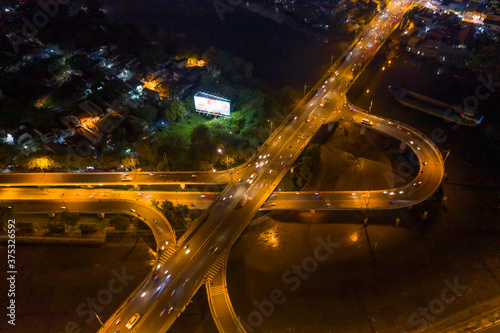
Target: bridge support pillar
[[183, 186], [100, 215], [363, 130], [402, 146], [313, 211]]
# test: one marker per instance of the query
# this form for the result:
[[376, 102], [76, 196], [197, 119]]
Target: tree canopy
[[120, 222]]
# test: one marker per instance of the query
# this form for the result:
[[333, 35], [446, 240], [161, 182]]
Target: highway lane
[[201, 200], [113, 178], [159, 225], [278, 200]]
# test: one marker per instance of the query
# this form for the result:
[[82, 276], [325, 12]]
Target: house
[[493, 22], [46, 138], [180, 63], [312, 16], [437, 34], [466, 35], [473, 10], [194, 74], [135, 86], [24, 139], [151, 94], [413, 42], [138, 122], [425, 16], [182, 90], [94, 137], [440, 51], [353, 13], [90, 108], [70, 120], [457, 7]]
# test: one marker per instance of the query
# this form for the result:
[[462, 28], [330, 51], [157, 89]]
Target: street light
[[62, 198], [96, 315], [271, 125], [447, 153]]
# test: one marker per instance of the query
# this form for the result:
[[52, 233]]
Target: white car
[[133, 320], [366, 122]]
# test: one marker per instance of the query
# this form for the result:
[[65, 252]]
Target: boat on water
[[435, 107]]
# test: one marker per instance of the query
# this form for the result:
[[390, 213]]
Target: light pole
[[62, 198], [447, 153], [367, 202], [97, 316], [305, 86], [271, 124]]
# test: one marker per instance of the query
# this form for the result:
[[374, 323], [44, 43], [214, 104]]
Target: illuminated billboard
[[212, 105]]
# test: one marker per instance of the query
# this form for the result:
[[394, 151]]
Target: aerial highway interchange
[[182, 265]]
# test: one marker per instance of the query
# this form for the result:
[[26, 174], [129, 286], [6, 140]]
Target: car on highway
[[133, 321], [126, 178], [242, 202], [169, 310], [366, 122], [322, 103]]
